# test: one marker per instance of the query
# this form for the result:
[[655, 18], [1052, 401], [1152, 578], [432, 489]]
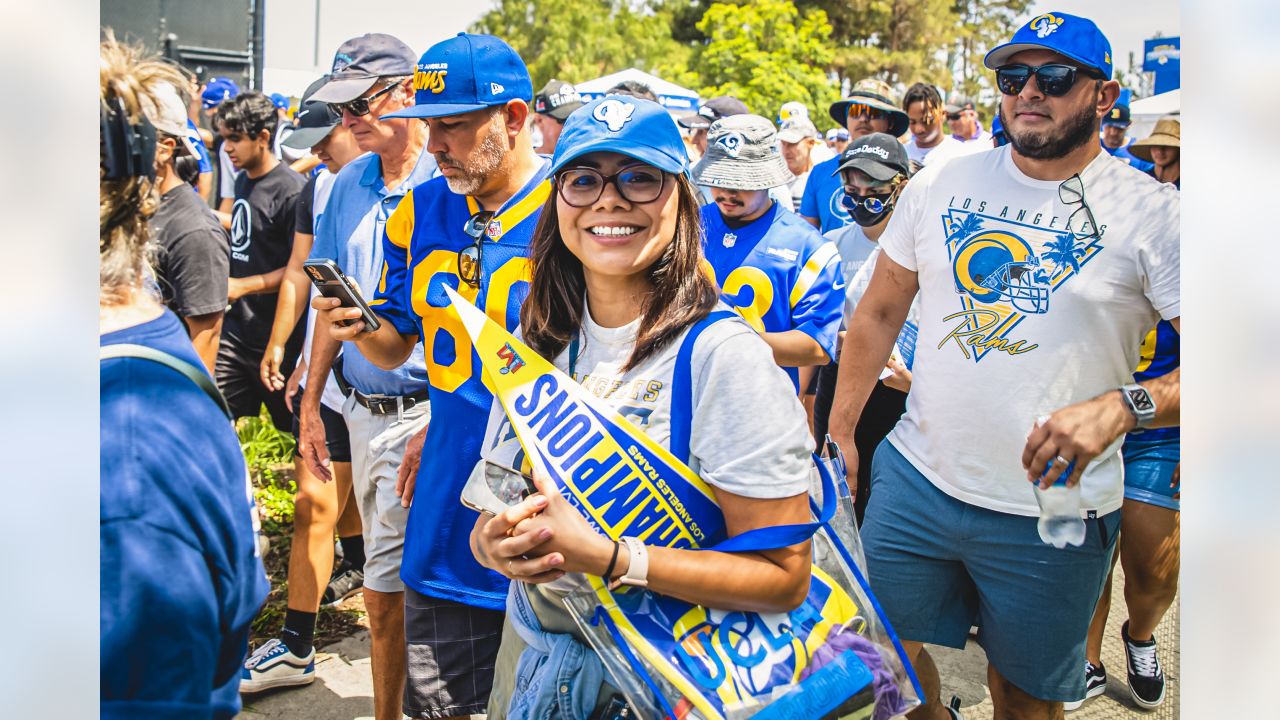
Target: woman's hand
[[568, 536], [499, 546], [900, 380], [269, 368]]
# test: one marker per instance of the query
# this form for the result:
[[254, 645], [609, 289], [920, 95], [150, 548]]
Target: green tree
[[577, 40], [983, 24], [899, 41], [766, 53]]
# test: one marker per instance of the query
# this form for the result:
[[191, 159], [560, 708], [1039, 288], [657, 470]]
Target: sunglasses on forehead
[[360, 106], [1053, 79]]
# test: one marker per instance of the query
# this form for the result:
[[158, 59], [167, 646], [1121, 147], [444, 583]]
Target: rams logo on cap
[[1115, 113], [730, 143], [1045, 24], [614, 114], [431, 77]]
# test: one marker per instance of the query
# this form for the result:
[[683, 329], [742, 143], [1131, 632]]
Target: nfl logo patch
[[729, 240], [493, 229]]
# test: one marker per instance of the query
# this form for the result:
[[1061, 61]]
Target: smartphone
[[331, 282], [492, 488]]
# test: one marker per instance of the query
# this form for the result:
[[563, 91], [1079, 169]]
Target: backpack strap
[[191, 372], [682, 386]]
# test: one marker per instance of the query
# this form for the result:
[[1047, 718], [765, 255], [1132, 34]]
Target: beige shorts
[[377, 449]]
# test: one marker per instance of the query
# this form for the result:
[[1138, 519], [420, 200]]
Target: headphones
[[128, 150]]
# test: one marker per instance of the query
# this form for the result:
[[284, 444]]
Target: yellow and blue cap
[[631, 126], [464, 73], [1074, 37]]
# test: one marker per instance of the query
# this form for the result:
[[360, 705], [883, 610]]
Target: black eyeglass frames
[[1071, 192], [579, 187], [469, 257]]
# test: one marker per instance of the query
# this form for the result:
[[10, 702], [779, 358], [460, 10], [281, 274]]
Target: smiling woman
[[620, 282]]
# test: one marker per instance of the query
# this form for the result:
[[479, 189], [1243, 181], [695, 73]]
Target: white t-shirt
[[331, 397], [797, 189], [1019, 318], [943, 151], [857, 253]]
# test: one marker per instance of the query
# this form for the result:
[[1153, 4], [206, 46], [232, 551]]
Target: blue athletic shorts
[[1148, 468], [939, 566]]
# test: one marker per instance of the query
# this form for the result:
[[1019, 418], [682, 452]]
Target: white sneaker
[[273, 666]]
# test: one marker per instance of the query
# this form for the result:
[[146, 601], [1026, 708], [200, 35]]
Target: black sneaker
[[1146, 679], [1095, 684], [347, 580]]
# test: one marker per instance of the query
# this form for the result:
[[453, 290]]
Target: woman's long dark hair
[[682, 291]]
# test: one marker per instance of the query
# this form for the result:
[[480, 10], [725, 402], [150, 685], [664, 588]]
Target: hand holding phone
[[331, 282]]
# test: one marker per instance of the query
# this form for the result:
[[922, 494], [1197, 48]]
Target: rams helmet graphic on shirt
[[997, 266]]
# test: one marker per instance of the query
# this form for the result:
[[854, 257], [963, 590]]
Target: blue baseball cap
[[635, 127], [216, 91], [1075, 37], [464, 73], [279, 101]]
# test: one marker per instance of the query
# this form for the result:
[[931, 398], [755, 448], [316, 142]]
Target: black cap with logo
[[878, 155], [557, 99]]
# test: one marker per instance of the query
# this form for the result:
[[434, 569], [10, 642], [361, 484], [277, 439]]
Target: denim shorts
[[1148, 468], [939, 566]]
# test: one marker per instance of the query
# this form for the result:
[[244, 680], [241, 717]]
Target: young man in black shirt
[[262, 225], [192, 255]]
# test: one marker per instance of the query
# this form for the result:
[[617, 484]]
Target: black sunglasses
[[1053, 79], [470, 256], [1071, 192], [579, 187], [360, 106]]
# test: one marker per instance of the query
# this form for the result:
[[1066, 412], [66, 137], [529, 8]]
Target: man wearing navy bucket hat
[[468, 230], [1040, 266]]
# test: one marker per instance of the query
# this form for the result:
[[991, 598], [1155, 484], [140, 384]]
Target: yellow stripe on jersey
[[399, 227], [809, 274], [515, 214]]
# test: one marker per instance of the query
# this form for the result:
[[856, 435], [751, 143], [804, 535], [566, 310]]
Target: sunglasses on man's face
[[857, 110], [360, 106], [1053, 79]]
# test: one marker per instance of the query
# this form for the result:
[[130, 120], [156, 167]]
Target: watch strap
[[637, 574]]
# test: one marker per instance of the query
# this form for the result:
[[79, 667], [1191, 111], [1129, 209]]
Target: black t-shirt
[[303, 221], [262, 224], [192, 257]]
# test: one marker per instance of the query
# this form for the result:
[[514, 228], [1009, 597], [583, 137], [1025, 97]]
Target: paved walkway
[[343, 690]]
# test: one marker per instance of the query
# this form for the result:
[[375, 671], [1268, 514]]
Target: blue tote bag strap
[[682, 386]]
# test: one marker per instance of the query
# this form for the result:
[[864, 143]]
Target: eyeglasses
[[469, 257], [953, 116], [858, 110], [871, 203], [1071, 192], [579, 187], [360, 106], [1054, 79]]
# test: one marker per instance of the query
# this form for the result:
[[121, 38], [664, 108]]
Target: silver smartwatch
[[1139, 402]]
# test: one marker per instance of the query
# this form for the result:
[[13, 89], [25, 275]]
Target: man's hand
[[311, 442], [295, 383], [1075, 434], [271, 376], [331, 314], [406, 476], [850, 452], [901, 378]]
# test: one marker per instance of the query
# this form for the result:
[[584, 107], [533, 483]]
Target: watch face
[[1141, 400]]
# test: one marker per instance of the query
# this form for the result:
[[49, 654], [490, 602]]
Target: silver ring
[[1060, 459]]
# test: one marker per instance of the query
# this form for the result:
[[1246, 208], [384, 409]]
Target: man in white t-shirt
[[962, 119], [929, 143], [1039, 267]]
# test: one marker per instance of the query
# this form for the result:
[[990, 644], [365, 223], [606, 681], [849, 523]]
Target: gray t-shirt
[[192, 254]]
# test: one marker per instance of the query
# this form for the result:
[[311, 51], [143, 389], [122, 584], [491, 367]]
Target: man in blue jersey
[[1114, 127], [773, 267], [468, 230], [384, 409], [869, 108]]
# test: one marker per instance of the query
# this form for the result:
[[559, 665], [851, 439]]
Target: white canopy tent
[[676, 99], [1145, 112]]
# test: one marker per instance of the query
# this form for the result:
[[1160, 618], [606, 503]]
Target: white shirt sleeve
[[749, 433], [1160, 257], [899, 238]]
